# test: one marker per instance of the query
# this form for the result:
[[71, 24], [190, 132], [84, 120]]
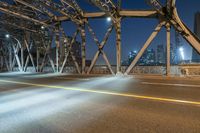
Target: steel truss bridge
[[26, 20]]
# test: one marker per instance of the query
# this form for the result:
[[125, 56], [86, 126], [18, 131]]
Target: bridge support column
[[38, 57], [82, 29], [57, 40], [168, 68], [10, 57], [118, 44], [22, 56]]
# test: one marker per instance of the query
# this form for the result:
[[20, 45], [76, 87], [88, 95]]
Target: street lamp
[[181, 50], [108, 19], [7, 36], [42, 27]]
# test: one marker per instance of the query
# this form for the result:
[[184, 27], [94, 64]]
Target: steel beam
[[138, 13], [4, 22], [29, 55], [47, 56], [57, 42], [100, 48], [122, 13], [61, 9], [16, 50], [168, 69], [43, 10], [118, 44], [23, 16], [145, 46], [83, 53], [69, 45]]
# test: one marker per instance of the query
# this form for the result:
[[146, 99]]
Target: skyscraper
[[131, 56], [160, 54], [195, 55]]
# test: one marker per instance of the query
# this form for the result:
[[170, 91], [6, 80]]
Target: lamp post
[[8, 36], [181, 50], [108, 19], [20, 64]]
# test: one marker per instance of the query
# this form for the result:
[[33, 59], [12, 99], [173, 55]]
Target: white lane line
[[65, 78], [170, 84]]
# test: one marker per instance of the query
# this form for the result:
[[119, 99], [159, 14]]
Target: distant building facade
[[155, 56], [63, 51], [195, 54], [160, 54], [131, 56], [173, 54], [148, 58]]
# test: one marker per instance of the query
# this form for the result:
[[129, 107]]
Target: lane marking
[[169, 84], [106, 92], [64, 78]]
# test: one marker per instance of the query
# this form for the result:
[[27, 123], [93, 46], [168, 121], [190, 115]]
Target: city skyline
[[157, 56]]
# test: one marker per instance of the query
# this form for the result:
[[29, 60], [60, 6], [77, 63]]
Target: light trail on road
[[106, 92]]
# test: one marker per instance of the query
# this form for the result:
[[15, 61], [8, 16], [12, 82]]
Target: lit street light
[[109, 19], [42, 27], [182, 52], [7, 36]]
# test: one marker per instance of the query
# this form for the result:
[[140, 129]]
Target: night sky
[[135, 31]]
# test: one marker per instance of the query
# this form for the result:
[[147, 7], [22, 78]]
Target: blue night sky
[[135, 31]]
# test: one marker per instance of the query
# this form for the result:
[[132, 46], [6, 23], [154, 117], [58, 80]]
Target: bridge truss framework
[[33, 16]]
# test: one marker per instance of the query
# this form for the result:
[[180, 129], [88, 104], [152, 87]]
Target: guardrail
[[177, 70]]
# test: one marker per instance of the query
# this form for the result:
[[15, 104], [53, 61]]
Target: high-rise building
[[131, 56], [173, 53], [178, 45], [148, 58], [160, 54], [195, 54]]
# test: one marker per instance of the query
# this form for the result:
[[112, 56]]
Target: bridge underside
[[31, 28]]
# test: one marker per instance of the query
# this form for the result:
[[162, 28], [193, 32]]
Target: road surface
[[50, 103]]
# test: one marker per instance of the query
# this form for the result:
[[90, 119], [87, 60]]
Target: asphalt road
[[48, 103]]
